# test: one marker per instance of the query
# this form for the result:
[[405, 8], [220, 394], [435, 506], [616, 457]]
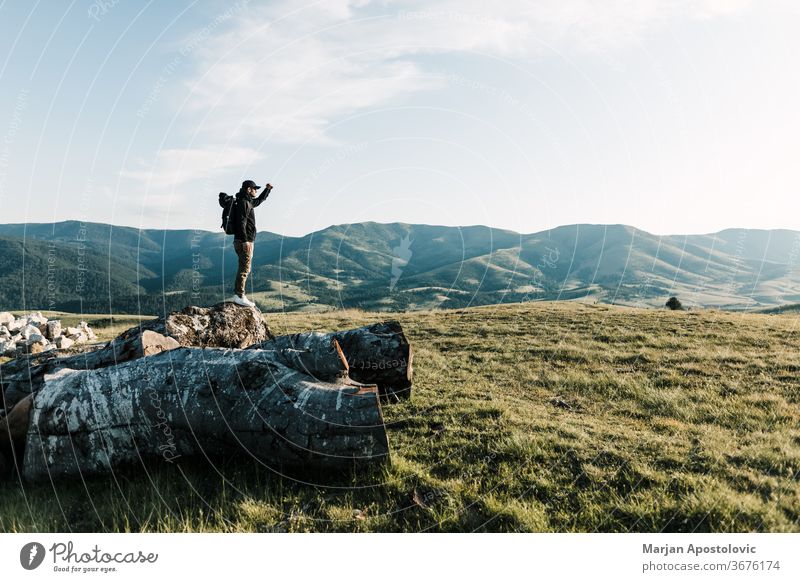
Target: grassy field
[[536, 417]]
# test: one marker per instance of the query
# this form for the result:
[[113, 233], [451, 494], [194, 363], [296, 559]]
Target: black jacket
[[244, 221]]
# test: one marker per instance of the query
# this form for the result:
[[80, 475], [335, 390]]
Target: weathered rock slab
[[224, 325], [192, 401], [376, 354]]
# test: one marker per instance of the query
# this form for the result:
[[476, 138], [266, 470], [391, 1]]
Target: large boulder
[[6, 318], [224, 325], [205, 403]]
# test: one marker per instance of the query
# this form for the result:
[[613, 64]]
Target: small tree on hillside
[[674, 304]]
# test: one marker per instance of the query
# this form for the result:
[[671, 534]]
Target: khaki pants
[[245, 253]]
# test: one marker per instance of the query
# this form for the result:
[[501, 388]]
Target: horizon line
[[602, 224]]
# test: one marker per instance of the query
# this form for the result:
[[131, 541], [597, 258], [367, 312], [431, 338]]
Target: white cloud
[[286, 71], [174, 168], [173, 182]]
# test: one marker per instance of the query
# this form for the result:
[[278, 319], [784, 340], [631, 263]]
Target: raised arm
[[263, 196]]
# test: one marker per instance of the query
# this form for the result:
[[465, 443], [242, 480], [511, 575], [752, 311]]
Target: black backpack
[[227, 202]]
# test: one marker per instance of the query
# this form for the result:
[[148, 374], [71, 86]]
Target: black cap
[[250, 184]]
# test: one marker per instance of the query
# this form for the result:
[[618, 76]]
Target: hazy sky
[[673, 116]]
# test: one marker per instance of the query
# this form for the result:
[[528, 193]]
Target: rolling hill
[[78, 266]]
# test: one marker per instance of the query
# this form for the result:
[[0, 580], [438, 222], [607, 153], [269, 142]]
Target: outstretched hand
[[268, 187]]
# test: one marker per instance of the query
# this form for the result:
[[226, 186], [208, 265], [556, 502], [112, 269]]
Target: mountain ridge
[[394, 265], [499, 229]]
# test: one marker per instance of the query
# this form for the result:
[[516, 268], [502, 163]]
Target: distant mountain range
[[100, 268]]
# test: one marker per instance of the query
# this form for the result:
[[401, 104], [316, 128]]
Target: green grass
[[535, 417]]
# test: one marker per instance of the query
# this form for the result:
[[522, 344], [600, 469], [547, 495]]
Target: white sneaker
[[243, 301]]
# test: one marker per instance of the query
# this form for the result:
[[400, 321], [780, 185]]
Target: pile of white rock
[[34, 333]]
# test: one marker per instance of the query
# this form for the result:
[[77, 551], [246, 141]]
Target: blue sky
[[674, 116]]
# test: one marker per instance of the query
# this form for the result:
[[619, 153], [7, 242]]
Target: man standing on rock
[[245, 234]]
